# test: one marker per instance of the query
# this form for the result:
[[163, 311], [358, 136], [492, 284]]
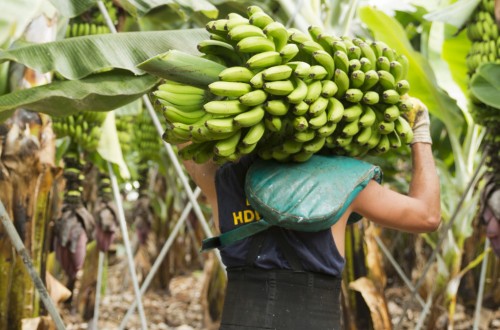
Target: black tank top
[[316, 250]]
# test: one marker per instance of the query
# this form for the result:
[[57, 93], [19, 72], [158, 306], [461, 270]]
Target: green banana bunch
[[286, 94], [83, 128], [484, 34]]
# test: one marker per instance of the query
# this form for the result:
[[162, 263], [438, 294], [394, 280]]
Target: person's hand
[[418, 117]]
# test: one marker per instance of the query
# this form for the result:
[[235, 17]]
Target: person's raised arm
[[204, 177], [420, 210]]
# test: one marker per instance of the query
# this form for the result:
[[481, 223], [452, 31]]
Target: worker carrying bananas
[[280, 278]]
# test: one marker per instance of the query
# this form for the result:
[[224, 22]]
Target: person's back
[[280, 279]]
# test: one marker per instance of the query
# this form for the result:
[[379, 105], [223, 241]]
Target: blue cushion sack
[[309, 196]]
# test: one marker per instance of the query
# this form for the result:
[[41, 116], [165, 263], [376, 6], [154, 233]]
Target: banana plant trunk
[[27, 176]]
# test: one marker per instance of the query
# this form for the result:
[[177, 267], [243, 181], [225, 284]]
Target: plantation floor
[[181, 308]]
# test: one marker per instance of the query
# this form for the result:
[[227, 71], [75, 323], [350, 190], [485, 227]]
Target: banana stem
[[161, 256], [183, 68], [21, 250], [479, 299]]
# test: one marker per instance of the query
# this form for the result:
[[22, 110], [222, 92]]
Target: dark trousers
[[281, 299]]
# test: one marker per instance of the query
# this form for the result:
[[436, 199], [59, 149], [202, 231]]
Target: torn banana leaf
[[101, 92]]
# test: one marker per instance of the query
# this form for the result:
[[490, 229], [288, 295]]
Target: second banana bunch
[[287, 95]]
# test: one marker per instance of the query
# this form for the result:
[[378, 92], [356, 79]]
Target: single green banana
[[254, 134], [179, 99], [253, 98], [371, 98], [246, 149], [299, 92], [225, 107], [383, 63], [305, 135], [402, 87], [371, 79], [394, 140], [310, 46], [302, 156], [339, 46], [277, 31], [236, 74], [178, 88], [279, 87], [327, 129], [354, 64], [396, 69], [342, 80], [329, 88], [334, 110], [291, 146], [257, 81], [241, 32], [317, 72], [297, 36], [260, 19], [364, 135], [314, 145], [353, 95], [318, 106], [300, 109], [318, 121], [236, 21], [300, 68], [352, 113], [252, 9], [343, 141], [300, 123], [341, 61], [221, 125], [229, 88], [390, 96], [405, 63], [383, 144], [351, 128], [277, 107], [221, 49], [278, 72], [324, 59], [227, 147], [313, 91], [315, 31], [386, 79], [273, 123], [172, 114], [403, 129], [255, 45], [367, 52], [385, 127], [288, 52], [366, 64], [280, 155], [263, 60], [250, 117], [368, 117], [354, 52], [389, 53], [391, 113], [377, 48], [405, 105], [374, 139]]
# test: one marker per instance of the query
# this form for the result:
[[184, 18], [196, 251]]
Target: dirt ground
[[180, 308]]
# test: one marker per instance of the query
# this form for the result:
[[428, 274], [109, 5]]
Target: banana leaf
[[485, 84], [75, 58], [455, 14], [15, 16], [142, 7], [72, 8], [455, 49], [100, 92]]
